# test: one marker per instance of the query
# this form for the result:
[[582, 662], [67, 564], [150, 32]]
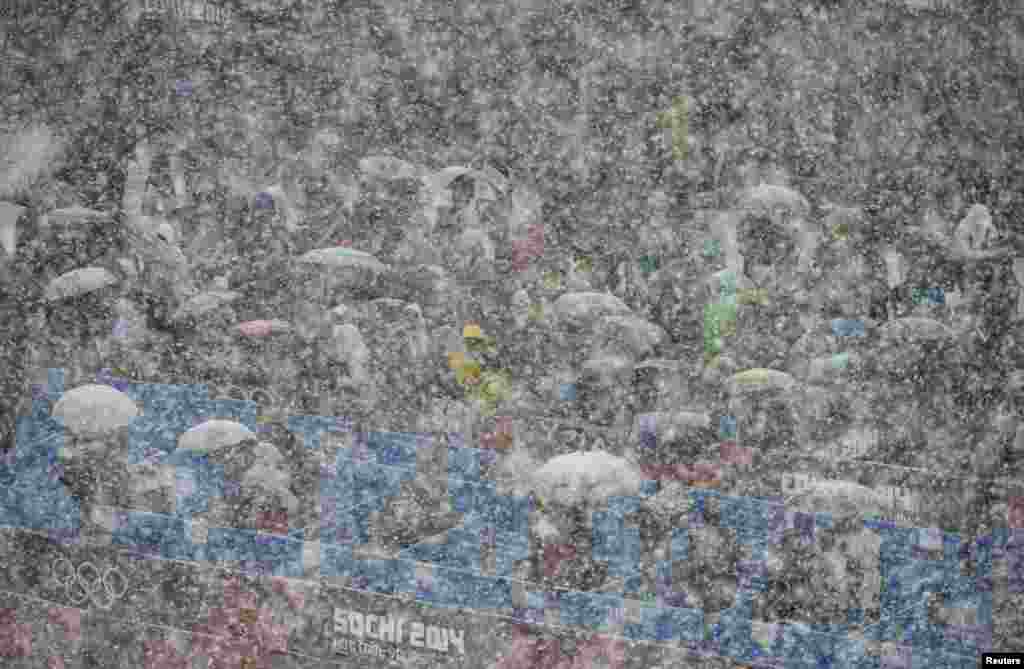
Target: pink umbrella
[[263, 328]]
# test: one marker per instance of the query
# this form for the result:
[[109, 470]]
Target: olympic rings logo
[[88, 583]]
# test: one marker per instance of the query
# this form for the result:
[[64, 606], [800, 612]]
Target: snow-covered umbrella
[[204, 304], [586, 477], [342, 257], [214, 435], [760, 380], [339, 267], [76, 214], [79, 282], [842, 499], [95, 410]]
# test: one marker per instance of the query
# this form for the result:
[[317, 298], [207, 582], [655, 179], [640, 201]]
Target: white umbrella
[[341, 257], [589, 306], [214, 435], [264, 328], [95, 410], [766, 198], [840, 498], [587, 477], [79, 282], [389, 168], [759, 380], [205, 303], [75, 214], [9, 215]]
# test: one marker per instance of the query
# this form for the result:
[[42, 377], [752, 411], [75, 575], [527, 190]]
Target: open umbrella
[[214, 435], [760, 380], [75, 214], [339, 267], [215, 301], [342, 257], [79, 282], [842, 499], [263, 328], [95, 410], [587, 477]]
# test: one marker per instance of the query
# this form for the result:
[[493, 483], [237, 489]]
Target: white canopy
[[214, 435], [95, 410]]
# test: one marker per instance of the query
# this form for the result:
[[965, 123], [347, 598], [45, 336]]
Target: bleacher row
[[360, 482]]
